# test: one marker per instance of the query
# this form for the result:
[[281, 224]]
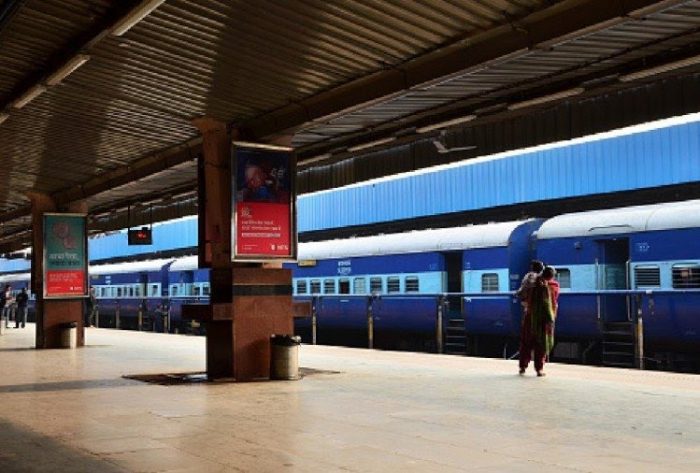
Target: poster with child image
[[65, 256], [264, 220]]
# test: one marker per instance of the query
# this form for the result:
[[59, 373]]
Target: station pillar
[[249, 303], [51, 314]]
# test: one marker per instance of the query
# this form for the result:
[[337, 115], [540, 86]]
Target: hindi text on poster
[[263, 228]]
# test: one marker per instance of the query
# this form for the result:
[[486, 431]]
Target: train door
[[453, 267], [612, 273]]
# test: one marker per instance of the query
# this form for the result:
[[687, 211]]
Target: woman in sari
[[537, 331]]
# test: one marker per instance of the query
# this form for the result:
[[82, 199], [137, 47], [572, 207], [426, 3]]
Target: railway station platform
[[355, 410]]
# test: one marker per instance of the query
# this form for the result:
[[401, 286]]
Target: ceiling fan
[[442, 149]]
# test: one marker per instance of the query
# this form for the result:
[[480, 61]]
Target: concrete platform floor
[[70, 410]]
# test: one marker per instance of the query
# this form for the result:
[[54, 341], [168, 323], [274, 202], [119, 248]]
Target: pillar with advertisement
[[59, 278], [246, 218]]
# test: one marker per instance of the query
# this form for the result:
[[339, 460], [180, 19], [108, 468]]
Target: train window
[[686, 276], [359, 286], [301, 286], [412, 284], [138, 290], [173, 290], [131, 291], [647, 276], [315, 286], [196, 290], [375, 285], [119, 292], [344, 286], [154, 290], [564, 278], [206, 289], [329, 286], [489, 282], [393, 284]]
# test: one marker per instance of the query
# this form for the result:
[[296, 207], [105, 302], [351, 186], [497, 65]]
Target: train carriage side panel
[[668, 262]]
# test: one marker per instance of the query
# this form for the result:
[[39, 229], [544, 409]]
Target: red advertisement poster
[[65, 283], [262, 229], [263, 203]]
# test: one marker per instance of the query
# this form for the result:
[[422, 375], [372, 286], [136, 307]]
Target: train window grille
[[173, 290], [301, 286], [647, 276], [344, 286], [393, 284], [154, 290], [131, 291], [489, 282], [564, 278], [315, 286], [196, 290], [206, 289], [686, 276], [139, 290], [329, 286], [412, 284], [119, 292], [359, 286], [375, 285]]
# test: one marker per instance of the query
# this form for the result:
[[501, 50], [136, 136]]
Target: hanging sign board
[[264, 203], [65, 256]]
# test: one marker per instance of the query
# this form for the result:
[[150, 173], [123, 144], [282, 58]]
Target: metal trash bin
[[69, 335], [284, 360]]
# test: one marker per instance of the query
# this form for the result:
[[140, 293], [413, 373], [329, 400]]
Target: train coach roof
[[641, 218], [12, 277], [129, 267], [186, 263], [444, 239]]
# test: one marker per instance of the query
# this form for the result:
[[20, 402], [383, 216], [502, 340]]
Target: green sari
[[542, 316]]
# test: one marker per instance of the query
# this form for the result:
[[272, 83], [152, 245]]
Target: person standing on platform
[[537, 332], [91, 307], [22, 301], [7, 301]]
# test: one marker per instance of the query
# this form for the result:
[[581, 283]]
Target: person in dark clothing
[[3, 303], [91, 308], [22, 300]]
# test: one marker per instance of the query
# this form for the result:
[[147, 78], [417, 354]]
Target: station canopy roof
[[97, 97]]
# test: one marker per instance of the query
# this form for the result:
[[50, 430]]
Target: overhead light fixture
[[671, 66], [29, 95], [372, 144], [3, 117], [315, 159], [445, 124], [134, 16], [547, 98], [67, 69]]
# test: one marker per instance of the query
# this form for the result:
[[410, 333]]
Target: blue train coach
[[395, 279], [620, 264]]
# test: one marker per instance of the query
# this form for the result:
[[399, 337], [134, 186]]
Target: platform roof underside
[[330, 74]]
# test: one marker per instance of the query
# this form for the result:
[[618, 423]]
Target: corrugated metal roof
[[240, 62], [577, 56], [664, 156]]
